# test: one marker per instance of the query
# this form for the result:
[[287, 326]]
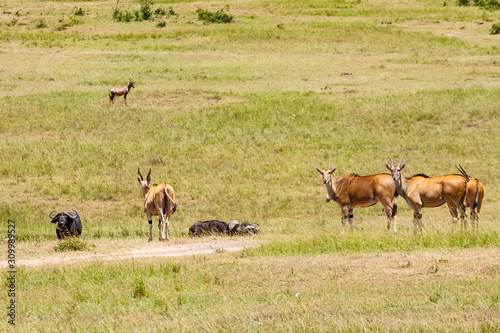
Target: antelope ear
[[388, 167], [319, 170], [139, 180], [332, 171], [402, 166]]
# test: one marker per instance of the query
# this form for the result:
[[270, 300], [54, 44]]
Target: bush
[[12, 23], [495, 29], [161, 24], [160, 11], [214, 17], [80, 12], [489, 4], [122, 16], [146, 10], [40, 24]]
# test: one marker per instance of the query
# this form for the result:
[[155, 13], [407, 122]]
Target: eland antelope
[[352, 191], [423, 191], [158, 200], [473, 197]]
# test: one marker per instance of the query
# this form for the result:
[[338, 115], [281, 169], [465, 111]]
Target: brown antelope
[[352, 191], [121, 91], [473, 197], [422, 191], [158, 200]]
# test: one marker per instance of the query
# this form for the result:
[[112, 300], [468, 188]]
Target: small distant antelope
[[422, 191], [121, 91], [473, 197], [352, 191], [158, 200]]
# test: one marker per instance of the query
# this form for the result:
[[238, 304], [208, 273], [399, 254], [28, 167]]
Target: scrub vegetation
[[236, 117]]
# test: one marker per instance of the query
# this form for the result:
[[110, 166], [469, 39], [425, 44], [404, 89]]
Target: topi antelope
[[422, 191], [352, 191], [121, 91], [473, 197], [158, 200]]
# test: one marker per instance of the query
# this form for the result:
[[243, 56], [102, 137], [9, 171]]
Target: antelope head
[[396, 169], [144, 183], [131, 83], [327, 180]]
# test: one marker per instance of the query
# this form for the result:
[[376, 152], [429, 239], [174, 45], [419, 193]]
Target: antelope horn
[[401, 160], [330, 163], [50, 214], [139, 171], [149, 173], [392, 162], [465, 174]]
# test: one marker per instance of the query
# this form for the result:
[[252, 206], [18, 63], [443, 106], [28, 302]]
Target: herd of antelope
[[457, 191], [352, 191]]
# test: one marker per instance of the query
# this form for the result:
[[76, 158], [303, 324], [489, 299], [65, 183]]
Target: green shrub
[[495, 29], [160, 11], [489, 4], [122, 16], [12, 23], [40, 24], [146, 10], [80, 12], [161, 24], [214, 17]]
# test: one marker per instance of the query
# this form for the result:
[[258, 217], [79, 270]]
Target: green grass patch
[[361, 243], [72, 244]]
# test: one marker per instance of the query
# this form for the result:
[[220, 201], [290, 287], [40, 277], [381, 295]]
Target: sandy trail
[[170, 250]]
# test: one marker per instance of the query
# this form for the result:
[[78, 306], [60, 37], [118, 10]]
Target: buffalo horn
[[50, 214], [72, 215]]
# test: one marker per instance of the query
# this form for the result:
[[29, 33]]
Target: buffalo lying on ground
[[220, 227], [68, 224]]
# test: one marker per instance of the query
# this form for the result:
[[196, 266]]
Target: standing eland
[[352, 191], [158, 200], [473, 197], [423, 191]]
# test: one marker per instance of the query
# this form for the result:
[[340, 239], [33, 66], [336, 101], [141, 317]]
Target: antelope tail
[[475, 197], [168, 197]]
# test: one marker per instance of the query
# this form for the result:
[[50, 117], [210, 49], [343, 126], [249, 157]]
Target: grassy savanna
[[235, 117]]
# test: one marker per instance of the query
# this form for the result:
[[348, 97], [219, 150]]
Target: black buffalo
[[68, 224], [208, 227], [220, 227]]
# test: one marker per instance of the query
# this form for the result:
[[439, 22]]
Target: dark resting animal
[[208, 227], [219, 227], [68, 224]]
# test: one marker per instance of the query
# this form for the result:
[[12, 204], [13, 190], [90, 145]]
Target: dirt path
[[169, 250]]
